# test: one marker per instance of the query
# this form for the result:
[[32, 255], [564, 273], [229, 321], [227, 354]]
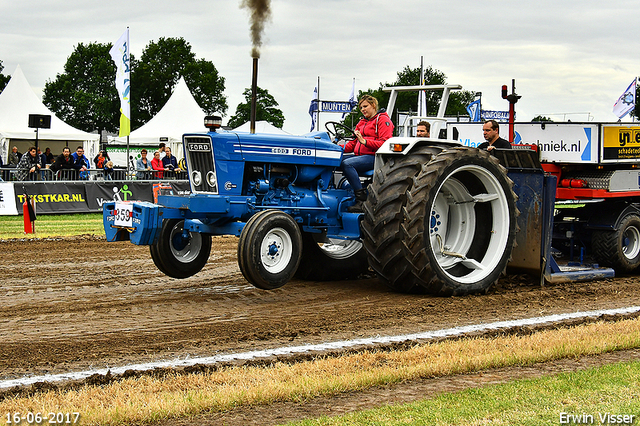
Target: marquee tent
[[17, 101], [181, 114]]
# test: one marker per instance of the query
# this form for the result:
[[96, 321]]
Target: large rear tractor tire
[[619, 249], [325, 259], [269, 249], [460, 222], [179, 254], [384, 219]]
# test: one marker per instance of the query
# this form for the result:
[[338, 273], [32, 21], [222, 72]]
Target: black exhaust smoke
[[260, 11]]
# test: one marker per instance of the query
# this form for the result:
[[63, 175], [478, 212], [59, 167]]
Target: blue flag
[[352, 98], [627, 101], [473, 109], [313, 108]]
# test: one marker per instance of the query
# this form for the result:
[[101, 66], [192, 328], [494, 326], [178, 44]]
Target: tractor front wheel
[[180, 253], [269, 249]]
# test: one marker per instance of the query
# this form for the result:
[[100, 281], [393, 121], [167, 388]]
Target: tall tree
[[4, 79], [84, 95], [159, 69], [408, 101], [266, 109]]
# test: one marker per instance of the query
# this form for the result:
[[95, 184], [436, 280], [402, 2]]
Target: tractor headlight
[[196, 178], [211, 179]]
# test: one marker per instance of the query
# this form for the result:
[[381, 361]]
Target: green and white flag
[[120, 54]]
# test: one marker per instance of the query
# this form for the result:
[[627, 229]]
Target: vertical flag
[[422, 95], [352, 98], [120, 53], [313, 108], [627, 101], [473, 109]]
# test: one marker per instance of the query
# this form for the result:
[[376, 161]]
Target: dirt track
[[75, 304]]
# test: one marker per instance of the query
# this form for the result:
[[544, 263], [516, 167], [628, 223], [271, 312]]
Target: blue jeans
[[353, 165]]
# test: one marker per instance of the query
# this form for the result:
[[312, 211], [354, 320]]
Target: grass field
[[604, 395], [612, 389], [53, 226]]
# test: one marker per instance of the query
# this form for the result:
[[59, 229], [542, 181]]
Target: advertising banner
[[557, 142], [620, 142], [470, 134], [561, 142], [80, 197], [494, 115], [7, 200], [336, 106], [69, 197], [100, 192]]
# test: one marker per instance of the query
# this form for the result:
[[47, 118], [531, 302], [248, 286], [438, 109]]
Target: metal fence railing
[[11, 175]]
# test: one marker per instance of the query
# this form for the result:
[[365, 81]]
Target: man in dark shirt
[[66, 163], [170, 163], [491, 131]]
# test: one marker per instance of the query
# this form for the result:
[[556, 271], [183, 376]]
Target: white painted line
[[456, 331]]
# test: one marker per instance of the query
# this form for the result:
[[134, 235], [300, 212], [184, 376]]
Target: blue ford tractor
[[439, 217]]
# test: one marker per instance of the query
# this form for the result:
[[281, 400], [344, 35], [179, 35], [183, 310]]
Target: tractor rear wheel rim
[[453, 226]]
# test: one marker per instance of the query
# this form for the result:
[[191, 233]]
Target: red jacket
[[375, 131], [156, 164]]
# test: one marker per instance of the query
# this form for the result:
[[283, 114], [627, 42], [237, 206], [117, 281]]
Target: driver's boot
[[361, 197]]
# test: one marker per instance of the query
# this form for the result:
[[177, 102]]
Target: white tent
[[181, 114], [17, 101], [261, 127]]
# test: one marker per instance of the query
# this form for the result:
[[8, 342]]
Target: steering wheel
[[339, 131]]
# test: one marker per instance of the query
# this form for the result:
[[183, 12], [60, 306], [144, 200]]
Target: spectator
[[372, 130], [14, 157], [42, 157], [48, 155], [81, 163], [29, 166], [156, 164], [170, 163], [108, 170], [66, 163], [101, 159], [143, 166], [43, 163], [491, 132], [161, 149]]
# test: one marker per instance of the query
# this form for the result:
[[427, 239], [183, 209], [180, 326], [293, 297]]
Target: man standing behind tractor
[[491, 131]]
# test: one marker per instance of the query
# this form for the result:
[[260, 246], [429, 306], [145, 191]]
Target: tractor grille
[[201, 164]]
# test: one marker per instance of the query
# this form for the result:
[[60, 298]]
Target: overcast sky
[[567, 56]]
